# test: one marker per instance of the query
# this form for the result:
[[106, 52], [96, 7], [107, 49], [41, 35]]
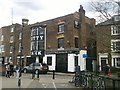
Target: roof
[[110, 21]]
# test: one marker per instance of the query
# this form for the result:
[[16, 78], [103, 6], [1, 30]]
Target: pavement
[[61, 81]]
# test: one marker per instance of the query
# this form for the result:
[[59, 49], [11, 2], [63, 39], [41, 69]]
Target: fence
[[96, 82]]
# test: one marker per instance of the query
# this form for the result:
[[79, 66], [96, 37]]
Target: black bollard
[[19, 82], [53, 74], [38, 75]]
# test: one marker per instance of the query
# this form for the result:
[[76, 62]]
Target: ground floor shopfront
[[65, 61], [58, 60]]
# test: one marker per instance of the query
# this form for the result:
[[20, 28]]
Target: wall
[[53, 61], [82, 61]]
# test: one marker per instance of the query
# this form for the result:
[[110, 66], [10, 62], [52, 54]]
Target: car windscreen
[[37, 64]]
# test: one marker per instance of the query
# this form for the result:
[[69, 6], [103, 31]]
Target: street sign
[[84, 55]]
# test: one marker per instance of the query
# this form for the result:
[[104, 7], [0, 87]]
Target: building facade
[[13, 38], [66, 41], [108, 42]]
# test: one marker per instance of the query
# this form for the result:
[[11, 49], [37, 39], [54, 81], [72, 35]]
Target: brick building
[[67, 41], [11, 42], [108, 42]]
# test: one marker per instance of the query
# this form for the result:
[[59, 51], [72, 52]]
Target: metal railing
[[96, 81]]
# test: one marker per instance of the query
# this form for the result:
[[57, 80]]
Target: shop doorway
[[62, 62]]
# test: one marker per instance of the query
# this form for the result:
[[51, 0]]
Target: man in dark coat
[[33, 71]]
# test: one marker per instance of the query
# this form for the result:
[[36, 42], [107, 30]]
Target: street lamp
[[21, 45], [20, 62]]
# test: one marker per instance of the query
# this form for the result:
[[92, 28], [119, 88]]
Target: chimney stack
[[82, 13], [25, 22]]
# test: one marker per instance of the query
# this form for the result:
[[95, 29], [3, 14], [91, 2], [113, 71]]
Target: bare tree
[[105, 8]]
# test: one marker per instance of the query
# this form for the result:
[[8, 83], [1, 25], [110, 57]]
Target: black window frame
[[49, 60], [60, 42]]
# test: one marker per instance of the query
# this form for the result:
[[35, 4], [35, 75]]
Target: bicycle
[[98, 83]]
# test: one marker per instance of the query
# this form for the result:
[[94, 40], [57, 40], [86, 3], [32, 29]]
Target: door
[[61, 62], [103, 64]]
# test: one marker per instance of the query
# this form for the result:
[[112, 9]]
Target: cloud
[[37, 10], [29, 4]]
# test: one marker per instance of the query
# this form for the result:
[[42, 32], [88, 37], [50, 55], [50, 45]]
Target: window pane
[[49, 60], [12, 29], [115, 44], [76, 24], [60, 43], [11, 38], [11, 48], [20, 36], [61, 28], [76, 42], [115, 30]]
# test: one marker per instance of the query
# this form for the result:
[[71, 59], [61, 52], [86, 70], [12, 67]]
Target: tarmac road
[[45, 81]]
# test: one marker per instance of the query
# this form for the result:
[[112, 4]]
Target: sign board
[[37, 41], [38, 53], [84, 55]]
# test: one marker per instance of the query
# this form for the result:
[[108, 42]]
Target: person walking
[[33, 71], [11, 69], [8, 70], [17, 71]]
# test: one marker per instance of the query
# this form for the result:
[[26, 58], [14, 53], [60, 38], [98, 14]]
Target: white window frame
[[115, 30], [12, 29], [20, 35], [61, 28], [11, 39], [115, 58], [112, 41], [2, 48], [2, 37], [117, 18], [11, 49]]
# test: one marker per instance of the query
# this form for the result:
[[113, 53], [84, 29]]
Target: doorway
[[62, 62], [103, 64]]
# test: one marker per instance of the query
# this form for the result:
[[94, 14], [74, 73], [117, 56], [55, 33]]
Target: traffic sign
[[84, 55]]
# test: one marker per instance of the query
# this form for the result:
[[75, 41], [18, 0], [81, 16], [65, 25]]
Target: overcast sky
[[39, 10]]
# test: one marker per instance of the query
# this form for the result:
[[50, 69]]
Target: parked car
[[39, 68]]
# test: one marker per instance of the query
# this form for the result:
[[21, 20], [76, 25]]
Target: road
[[45, 81]]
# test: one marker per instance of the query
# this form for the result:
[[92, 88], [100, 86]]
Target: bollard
[[113, 82], [53, 74], [38, 75], [19, 82]]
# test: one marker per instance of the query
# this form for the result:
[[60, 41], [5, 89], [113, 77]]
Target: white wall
[[82, 61], [52, 67], [71, 63]]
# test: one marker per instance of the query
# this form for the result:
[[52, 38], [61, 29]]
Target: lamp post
[[20, 66]]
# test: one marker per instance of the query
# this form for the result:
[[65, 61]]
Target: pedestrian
[[11, 69], [17, 71], [8, 70], [107, 67], [33, 71]]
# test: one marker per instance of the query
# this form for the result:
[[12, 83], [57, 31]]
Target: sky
[[13, 11]]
